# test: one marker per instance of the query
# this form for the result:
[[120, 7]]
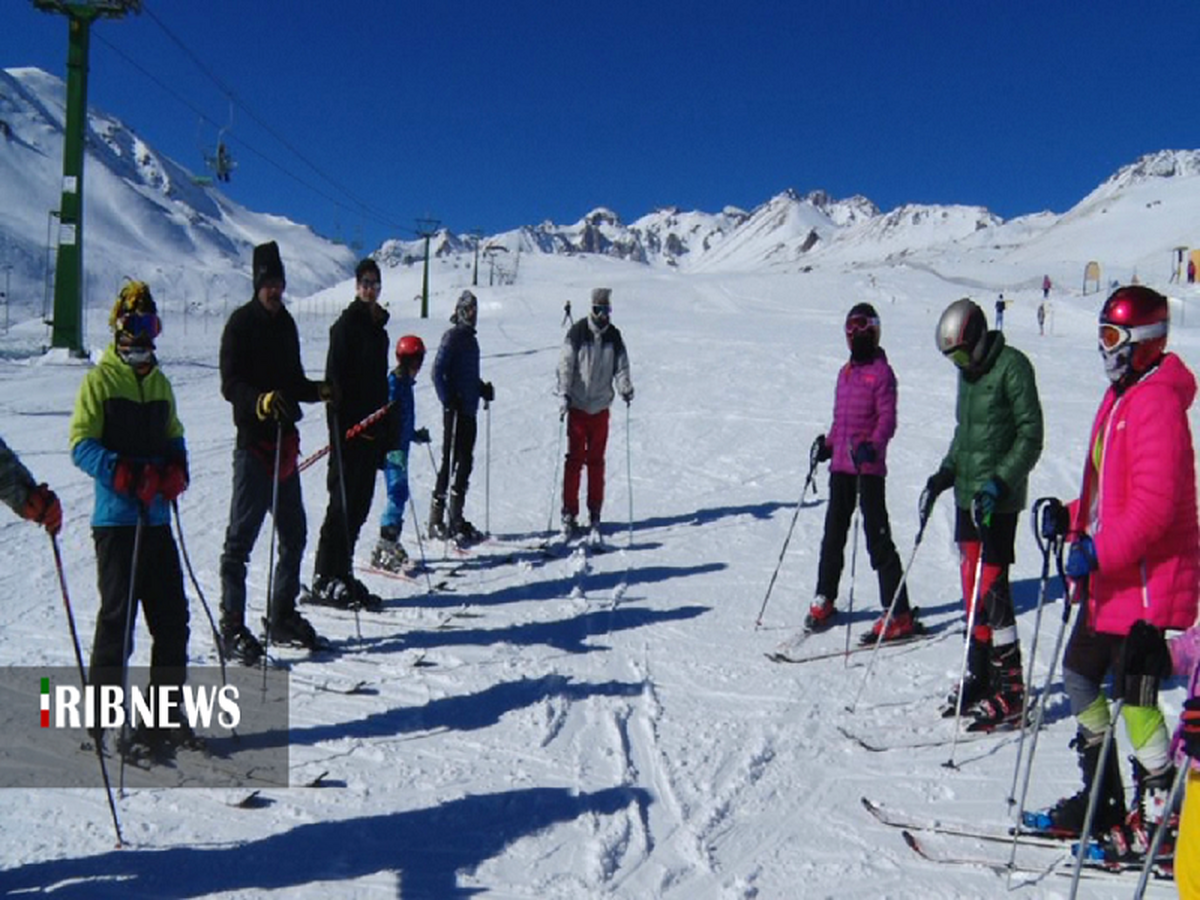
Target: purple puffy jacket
[[864, 409]]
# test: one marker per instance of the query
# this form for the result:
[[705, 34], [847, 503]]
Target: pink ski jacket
[[1139, 504], [864, 409]]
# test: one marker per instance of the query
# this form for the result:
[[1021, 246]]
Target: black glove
[[819, 452], [486, 392], [863, 453], [938, 482], [421, 436], [1056, 521], [1189, 727], [1145, 660], [276, 405]]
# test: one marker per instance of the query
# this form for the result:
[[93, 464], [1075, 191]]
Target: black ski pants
[[159, 588], [867, 491], [360, 465], [253, 482], [458, 453]]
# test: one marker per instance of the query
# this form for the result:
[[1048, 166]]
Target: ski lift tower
[[426, 228], [67, 325]]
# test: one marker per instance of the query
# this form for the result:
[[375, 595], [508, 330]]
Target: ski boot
[[437, 517], [570, 526], [1004, 707], [820, 615], [978, 681], [902, 625], [239, 644], [1065, 818], [1148, 811], [328, 590], [389, 555], [293, 630], [361, 597]]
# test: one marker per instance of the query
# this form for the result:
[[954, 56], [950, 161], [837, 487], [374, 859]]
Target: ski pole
[[1094, 796], [271, 550], [351, 434], [487, 468], [66, 598], [853, 560], [1047, 547], [1040, 715], [412, 506], [629, 472], [212, 624], [976, 596], [339, 460], [1161, 830], [562, 426], [130, 600], [782, 552], [887, 618]]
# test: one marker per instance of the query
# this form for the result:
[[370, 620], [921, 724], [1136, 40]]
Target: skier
[[593, 358], [1000, 313], [459, 388], [24, 496], [263, 379], [125, 434], [1045, 287], [864, 420], [997, 441], [356, 366], [410, 354], [1135, 553]]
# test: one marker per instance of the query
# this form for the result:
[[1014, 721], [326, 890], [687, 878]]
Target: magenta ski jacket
[[864, 409], [1138, 503]]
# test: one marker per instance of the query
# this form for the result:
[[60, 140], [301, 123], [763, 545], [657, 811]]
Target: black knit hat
[[267, 264]]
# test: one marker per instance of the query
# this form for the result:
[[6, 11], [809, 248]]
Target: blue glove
[[984, 503], [863, 453], [1081, 561]]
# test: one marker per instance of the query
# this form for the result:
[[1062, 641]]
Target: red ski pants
[[587, 438]]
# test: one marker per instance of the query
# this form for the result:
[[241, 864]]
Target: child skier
[[864, 420], [997, 441], [410, 354], [1135, 555]]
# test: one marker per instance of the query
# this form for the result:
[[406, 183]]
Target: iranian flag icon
[[45, 702]]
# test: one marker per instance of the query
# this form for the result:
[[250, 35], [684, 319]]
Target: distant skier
[[390, 554], [997, 441], [1000, 313], [567, 318], [1135, 554], [1041, 317], [593, 359], [1045, 287], [864, 421]]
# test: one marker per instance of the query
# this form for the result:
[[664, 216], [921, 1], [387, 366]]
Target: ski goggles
[[602, 311], [1114, 337], [860, 322], [141, 325], [960, 356]]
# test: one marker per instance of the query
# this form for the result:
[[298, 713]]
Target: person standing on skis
[[1134, 556], [24, 496], [864, 421], [125, 433], [459, 388], [997, 441], [593, 358], [389, 553], [263, 379], [356, 366]]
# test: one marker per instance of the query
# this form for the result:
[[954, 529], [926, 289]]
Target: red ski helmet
[[410, 345], [1134, 323]]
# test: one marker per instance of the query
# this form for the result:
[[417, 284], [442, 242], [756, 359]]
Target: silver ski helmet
[[960, 332], [1134, 322]]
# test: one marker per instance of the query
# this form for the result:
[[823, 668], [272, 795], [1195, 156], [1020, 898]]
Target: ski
[[940, 738], [1127, 870], [362, 687], [999, 834], [938, 635]]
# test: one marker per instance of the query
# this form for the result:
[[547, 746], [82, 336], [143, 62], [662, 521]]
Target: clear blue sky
[[492, 115]]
